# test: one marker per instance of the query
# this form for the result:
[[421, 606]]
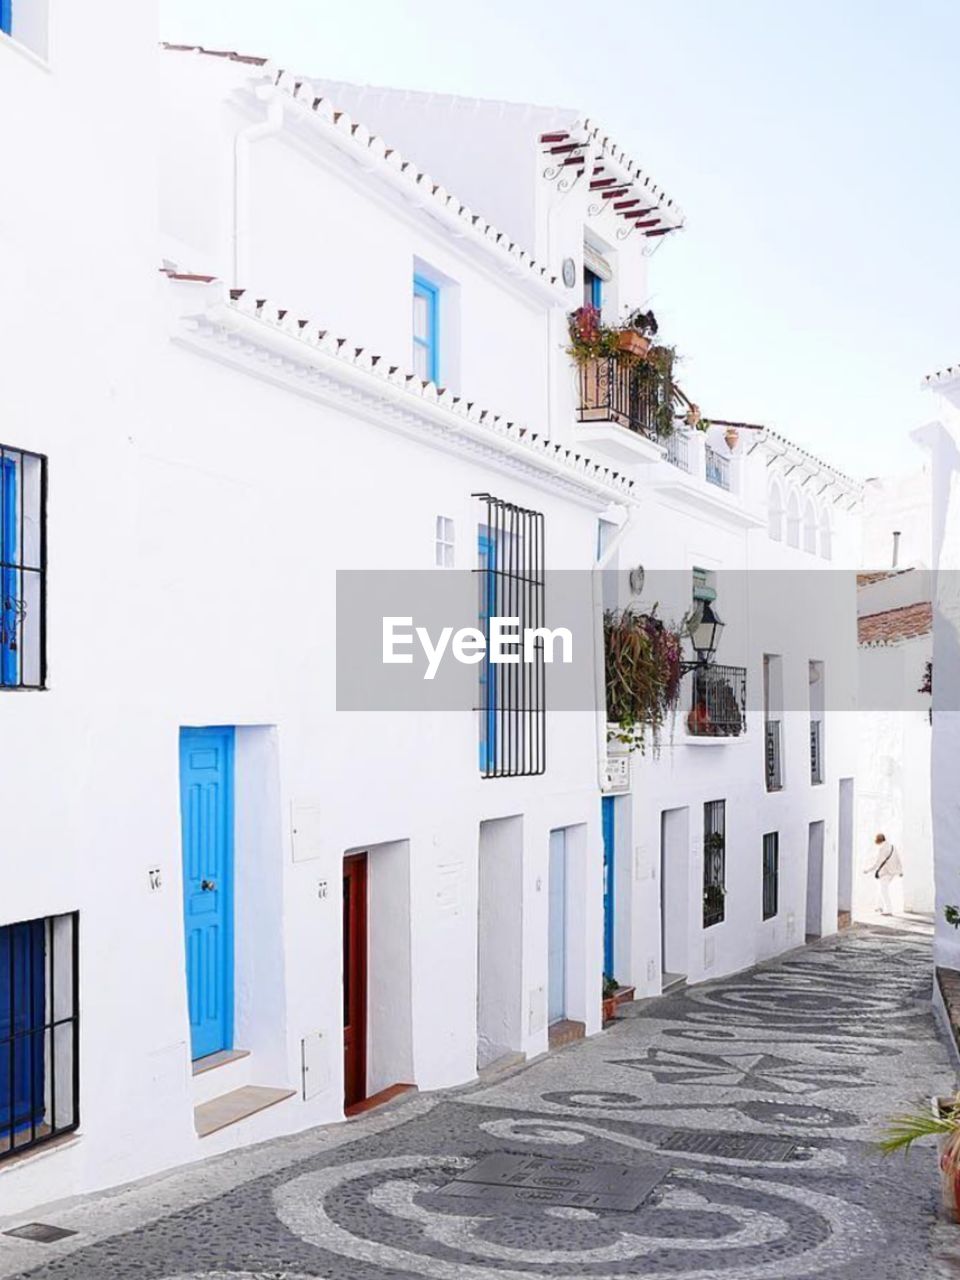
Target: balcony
[[773, 767], [620, 409], [718, 702], [816, 752]]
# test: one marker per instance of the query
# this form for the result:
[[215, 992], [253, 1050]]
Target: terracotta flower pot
[[634, 342], [732, 437], [948, 1149], [609, 1008]]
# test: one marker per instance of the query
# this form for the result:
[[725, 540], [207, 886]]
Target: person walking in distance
[[884, 866]]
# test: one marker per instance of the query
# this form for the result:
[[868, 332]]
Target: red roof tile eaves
[[906, 623]]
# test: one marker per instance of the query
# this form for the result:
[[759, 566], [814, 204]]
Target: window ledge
[[8, 42], [714, 739], [47, 1148]]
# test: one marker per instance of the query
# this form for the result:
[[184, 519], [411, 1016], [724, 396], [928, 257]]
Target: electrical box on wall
[[315, 1062], [306, 821], [617, 772]]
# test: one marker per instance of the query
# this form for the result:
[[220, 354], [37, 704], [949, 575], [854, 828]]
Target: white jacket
[[886, 862]]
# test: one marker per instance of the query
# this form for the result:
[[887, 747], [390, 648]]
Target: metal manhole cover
[[40, 1232], [735, 1146], [582, 1184]]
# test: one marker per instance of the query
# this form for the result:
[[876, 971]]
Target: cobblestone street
[[810, 1053]]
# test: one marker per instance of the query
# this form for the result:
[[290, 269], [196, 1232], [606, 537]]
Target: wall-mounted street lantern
[[703, 629]]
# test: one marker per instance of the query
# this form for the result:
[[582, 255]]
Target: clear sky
[[811, 143]]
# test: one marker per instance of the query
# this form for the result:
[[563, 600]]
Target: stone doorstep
[[565, 1032], [378, 1099], [209, 1117], [948, 985], [220, 1059]]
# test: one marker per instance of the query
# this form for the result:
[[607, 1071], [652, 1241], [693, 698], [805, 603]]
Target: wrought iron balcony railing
[[718, 703], [717, 468], [773, 766], [678, 450], [816, 751], [613, 390]]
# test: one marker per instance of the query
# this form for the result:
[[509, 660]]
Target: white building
[[940, 438], [229, 907], [896, 647]]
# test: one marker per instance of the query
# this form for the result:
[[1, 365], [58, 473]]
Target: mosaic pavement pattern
[[749, 1105]]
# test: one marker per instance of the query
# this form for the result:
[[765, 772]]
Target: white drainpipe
[[599, 665], [241, 163]]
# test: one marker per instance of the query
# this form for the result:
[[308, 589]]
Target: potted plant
[[638, 331], [731, 437], [940, 1120], [610, 989], [642, 668]]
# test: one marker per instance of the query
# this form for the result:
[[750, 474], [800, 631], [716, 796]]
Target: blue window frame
[[487, 564], [9, 593], [592, 289], [6, 16], [609, 837], [426, 315]]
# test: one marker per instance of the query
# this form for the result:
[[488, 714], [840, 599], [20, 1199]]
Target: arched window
[[793, 520], [810, 528], [826, 535], [775, 512]]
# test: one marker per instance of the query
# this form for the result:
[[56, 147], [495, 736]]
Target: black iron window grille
[[717, 468], [771, 874], [772, 757], [612, 389], [510, 574], [714, 861], [816, 752], [718, 704], [39, 1032], [23, 564]]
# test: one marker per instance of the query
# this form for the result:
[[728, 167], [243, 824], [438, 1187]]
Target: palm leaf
[[903, 1130]]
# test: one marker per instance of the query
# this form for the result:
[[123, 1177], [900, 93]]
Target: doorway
[[815, 880], [557, 928], [499, 940], [354, 979], [609, 871], [845, 854], [674, 895], [206, 813]]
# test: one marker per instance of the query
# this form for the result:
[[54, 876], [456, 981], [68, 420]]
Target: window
[[592, 289], [511, 581], [771, 874], [444, 555], [39, 1080], [714, 862], [426, 308], [816, 722], [5, 16], [773, 720], [22, 569]]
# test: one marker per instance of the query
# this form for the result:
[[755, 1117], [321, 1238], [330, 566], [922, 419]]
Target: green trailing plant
[[642, 660], [610, 986], [902, 1131]]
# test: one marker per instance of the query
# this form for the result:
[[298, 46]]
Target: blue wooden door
[[22, 1005], [557, 929], [609, 812], [206, 809]]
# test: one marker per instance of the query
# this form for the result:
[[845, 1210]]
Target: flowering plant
[[590, 338], [642, 673]]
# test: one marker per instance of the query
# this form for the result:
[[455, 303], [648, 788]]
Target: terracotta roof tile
[[906, 623]]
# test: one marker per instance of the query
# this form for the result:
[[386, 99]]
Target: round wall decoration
[[569, 272]]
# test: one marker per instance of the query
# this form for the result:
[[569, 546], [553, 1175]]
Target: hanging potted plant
[[642, 659], [637, 333], [941, 1120]]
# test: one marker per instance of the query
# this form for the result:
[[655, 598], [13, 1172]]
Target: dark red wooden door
[[355, 979]]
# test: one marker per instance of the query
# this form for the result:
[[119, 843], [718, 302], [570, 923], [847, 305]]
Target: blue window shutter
[[6, 16], [487, 555]]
